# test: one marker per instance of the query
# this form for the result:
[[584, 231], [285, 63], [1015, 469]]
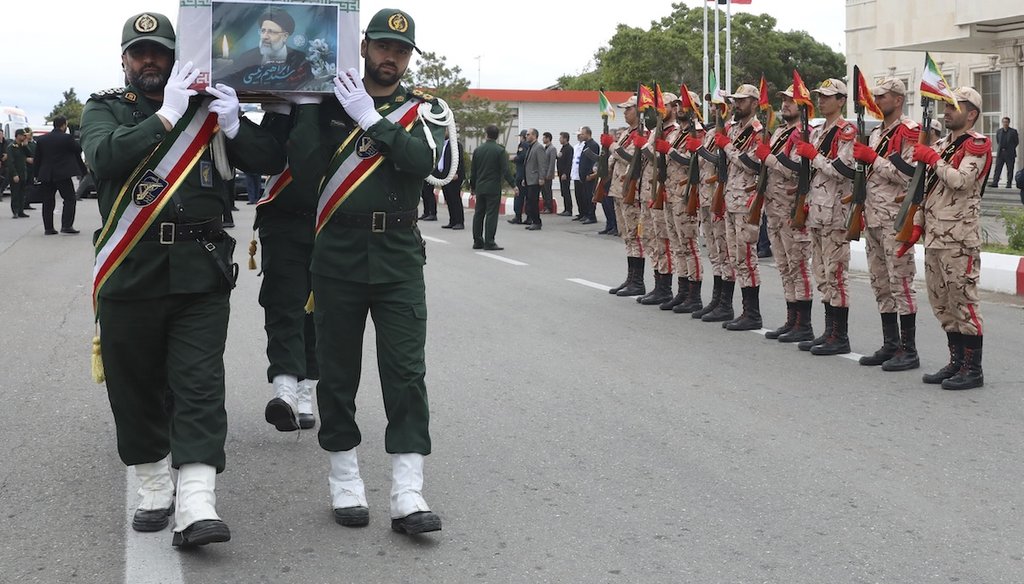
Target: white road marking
[[501, 259], [589, 284], [148, 557], [433, 239], [852, 356]]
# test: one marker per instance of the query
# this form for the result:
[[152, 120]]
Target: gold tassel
[[309, 303], [97, 361], [252, 253]]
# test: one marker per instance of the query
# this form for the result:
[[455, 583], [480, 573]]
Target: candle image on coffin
[[270, 48]]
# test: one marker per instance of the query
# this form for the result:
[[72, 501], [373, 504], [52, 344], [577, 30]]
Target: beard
[[383, 78], [270, 52], [148, 82]]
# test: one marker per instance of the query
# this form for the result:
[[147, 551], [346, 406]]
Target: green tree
[[70, 107], [670, 52], [472, 114]]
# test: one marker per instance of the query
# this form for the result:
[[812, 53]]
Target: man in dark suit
[[535, 170], [565, 172], [584, 199], [1006, 142], [58, 158], [271, 65], [453, 190]]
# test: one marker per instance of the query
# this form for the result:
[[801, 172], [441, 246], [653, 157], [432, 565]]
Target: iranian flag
[[934, 85], [606, 107], [715, 94]]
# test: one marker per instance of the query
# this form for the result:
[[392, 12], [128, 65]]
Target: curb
[[1000, 272]]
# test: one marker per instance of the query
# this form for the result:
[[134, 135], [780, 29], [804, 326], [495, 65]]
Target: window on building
[[988, 85]]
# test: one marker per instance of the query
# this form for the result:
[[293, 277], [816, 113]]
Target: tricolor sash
[[148, 190], [354, 161], [275, 185]]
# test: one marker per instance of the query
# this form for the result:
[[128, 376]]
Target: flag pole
[[728, 46], [704, 102], [718, 63]]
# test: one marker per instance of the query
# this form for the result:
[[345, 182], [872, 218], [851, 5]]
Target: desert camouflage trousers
[[683, 233], [654, 237], [741, 244], [830, 256], [714, 239], [892, 278], [628, 220], [952, 279], [792, 251]]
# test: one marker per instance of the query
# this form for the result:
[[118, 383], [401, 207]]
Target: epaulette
[[112, 93], [757, 125], [910, 123], [422, 96], [978, 144]]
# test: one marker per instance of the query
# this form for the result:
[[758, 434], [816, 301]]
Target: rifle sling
[[788, 162], [842, 169], [751, 163], [932, 177], [707, 155], [901, 165]]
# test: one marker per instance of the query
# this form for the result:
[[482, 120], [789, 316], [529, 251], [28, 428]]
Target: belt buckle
[[167, 233], [378, 222]]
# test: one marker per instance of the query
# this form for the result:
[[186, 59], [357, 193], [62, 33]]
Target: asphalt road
[[578, 437]]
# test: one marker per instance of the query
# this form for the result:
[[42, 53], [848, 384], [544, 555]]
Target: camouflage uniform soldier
[[627, 216], [685, 228], [888, 152], [741, 237], [831, 153], [791, 246], [654, 227], [713, 227], [949, 220]]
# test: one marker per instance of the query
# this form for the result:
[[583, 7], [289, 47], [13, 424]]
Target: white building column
[[1011, 69]]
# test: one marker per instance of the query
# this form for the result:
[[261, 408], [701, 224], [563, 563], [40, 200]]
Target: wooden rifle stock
[[855, 222], [916, 189], [718, 199], [658, 192], [633, 173], [603, 174], [757, 205], [803, 184]]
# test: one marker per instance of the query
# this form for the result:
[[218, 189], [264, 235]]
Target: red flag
[[865, 97], [659, 100], [644, 98], [764, 104], [801, 95], [686, 103]]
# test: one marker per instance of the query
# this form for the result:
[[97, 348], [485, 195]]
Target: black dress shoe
[[588, 221], [50, 232], [516, 221], [493, 247], [352, 516], [31, 208], [430, 218], [458, 227], [603, 232], [202, 533], [307, 421], [614, 232], [578, 218], [146, 520], [280, 414], [73, 231], [565, 214], [533, 227], [449, 226], [419, 522], [23, 216], [478, 246]]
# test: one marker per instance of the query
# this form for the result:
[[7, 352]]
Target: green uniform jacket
[[359, 255], [15, 164], [490, 165], [119, 129]]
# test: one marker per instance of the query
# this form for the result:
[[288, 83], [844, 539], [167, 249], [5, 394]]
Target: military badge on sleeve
[[148, 189], [367, 148], [206, 174]]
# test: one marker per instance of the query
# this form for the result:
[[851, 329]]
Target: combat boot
[[281, 410], [890, 342], [195, 515], [157, 491], [662, 290], [956, 360], [409, 511], [348, 494], [838, 342], [970, 375], [629, 276], [683, 284], [723, 312], [693, 302], [906, 358], [716, 295], [636, 285], [750, 320], [802, 329], [829, 313], [788, 326]]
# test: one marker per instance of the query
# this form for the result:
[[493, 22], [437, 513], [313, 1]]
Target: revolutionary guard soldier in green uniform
[[378, 142], [17, 173], [285, 220], [163, 272]]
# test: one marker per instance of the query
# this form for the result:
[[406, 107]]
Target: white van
[[12, 119]]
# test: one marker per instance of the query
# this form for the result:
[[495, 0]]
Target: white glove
[[176, 92], [353, 97], [226, 108], [304, 98], [276, 108]]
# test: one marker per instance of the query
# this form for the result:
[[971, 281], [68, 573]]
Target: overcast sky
[[51, 45]]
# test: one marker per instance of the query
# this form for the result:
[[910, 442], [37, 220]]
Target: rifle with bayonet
[[803, 180], [658, 192], [916, 188], [603, 175], [756, 206], [633, 171], [855, 222], [722, 168]]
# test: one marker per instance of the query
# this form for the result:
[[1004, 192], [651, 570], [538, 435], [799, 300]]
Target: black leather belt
[[168, 233], [377, 222]]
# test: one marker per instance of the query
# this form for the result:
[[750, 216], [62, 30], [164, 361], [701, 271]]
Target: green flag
[[605, 105]]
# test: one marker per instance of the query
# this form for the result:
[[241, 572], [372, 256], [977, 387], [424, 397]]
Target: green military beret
[[393, 24]]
